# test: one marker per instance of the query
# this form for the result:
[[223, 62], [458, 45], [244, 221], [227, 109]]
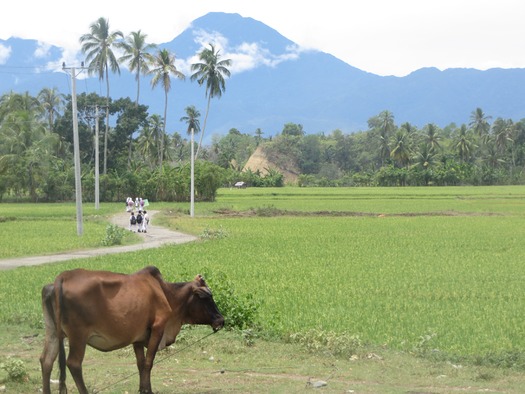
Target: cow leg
[[144, 375], [52, 344], [77, 350], [47, 359], [145, 364]]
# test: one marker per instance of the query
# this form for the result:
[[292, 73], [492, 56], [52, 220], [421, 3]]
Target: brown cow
[[109, 311]]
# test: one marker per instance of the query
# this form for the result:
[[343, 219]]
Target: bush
[[239, 312], [114, 235], [16, 370]]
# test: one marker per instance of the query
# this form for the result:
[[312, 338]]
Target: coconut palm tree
[[463, 144], [52, 102], [163, 67], [98, 47], [138, 58], [401, 151], [192, 119], [137, 55], [432, 137], [479, 122], [211, 72], [146, 145]]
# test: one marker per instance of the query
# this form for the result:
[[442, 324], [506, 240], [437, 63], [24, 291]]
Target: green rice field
[[416, 269]]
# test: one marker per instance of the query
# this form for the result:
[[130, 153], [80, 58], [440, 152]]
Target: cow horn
[[200, 280]]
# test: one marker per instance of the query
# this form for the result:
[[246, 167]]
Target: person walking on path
[[140, 221], [145, 222], [132, 222]]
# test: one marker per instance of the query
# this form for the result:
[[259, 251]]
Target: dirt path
[[155, 237]]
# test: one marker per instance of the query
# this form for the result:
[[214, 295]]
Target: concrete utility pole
[[192, 176], [76, 149], [97, 188]]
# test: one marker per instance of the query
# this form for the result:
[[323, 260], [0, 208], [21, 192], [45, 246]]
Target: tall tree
[[432, 137], [52, 102], [163, 67], [210, 71], [138, 57], [479, 122], [401, 150], [383, 125], [192, 119], [146, 145], [463, 144], [98, 47]]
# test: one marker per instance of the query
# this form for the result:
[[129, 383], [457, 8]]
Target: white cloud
[[42, 50], [5, 53], [244, 57]]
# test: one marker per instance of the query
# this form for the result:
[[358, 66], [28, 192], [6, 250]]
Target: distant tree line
[[36, 159]]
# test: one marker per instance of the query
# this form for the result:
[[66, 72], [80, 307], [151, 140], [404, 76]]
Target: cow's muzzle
[[218, 324]]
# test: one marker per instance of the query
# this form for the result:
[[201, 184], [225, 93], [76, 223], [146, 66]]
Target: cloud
[[244, 57], [5, 53], [42, 50]]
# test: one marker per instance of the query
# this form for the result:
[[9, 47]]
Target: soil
[[155, 237]]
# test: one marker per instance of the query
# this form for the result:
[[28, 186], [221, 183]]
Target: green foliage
[[240, 312], [114, 235], [16, 370]]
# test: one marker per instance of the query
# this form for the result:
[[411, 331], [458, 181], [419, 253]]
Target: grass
[[437, 274], [225, 362], [39, 229]]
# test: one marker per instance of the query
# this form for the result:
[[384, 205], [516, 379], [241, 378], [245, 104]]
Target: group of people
[[140, 221], [139, 203]]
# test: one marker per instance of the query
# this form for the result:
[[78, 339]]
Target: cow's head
[[201, 307]]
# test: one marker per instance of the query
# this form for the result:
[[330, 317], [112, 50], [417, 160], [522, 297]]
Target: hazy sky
[[385, 37]]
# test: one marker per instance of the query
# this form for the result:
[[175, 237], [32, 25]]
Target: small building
[[240, 185]]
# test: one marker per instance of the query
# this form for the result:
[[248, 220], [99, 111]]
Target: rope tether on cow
[[156, 362]]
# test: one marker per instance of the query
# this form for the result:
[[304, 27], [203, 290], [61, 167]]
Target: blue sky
[[385, 37]]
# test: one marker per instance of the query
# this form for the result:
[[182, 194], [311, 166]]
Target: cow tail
[[60, 335]]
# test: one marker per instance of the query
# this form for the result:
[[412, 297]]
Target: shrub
[[114, 235], [16, 370], [239, 312]]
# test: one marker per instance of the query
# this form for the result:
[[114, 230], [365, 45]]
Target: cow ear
[[202, 292]]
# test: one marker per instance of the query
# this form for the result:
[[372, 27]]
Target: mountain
[[274, 82]]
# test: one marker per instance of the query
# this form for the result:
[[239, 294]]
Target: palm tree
[[463, 143], [98, 47], [479, 122], [401, 150], [383, 125], [51, 102], [138, 58], [164, 66], [503, 131], [211, 71], [192, 119], [146, 145], [137, 55], [432, 137]]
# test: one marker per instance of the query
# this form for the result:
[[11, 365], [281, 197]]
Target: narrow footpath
[[155, 237]]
